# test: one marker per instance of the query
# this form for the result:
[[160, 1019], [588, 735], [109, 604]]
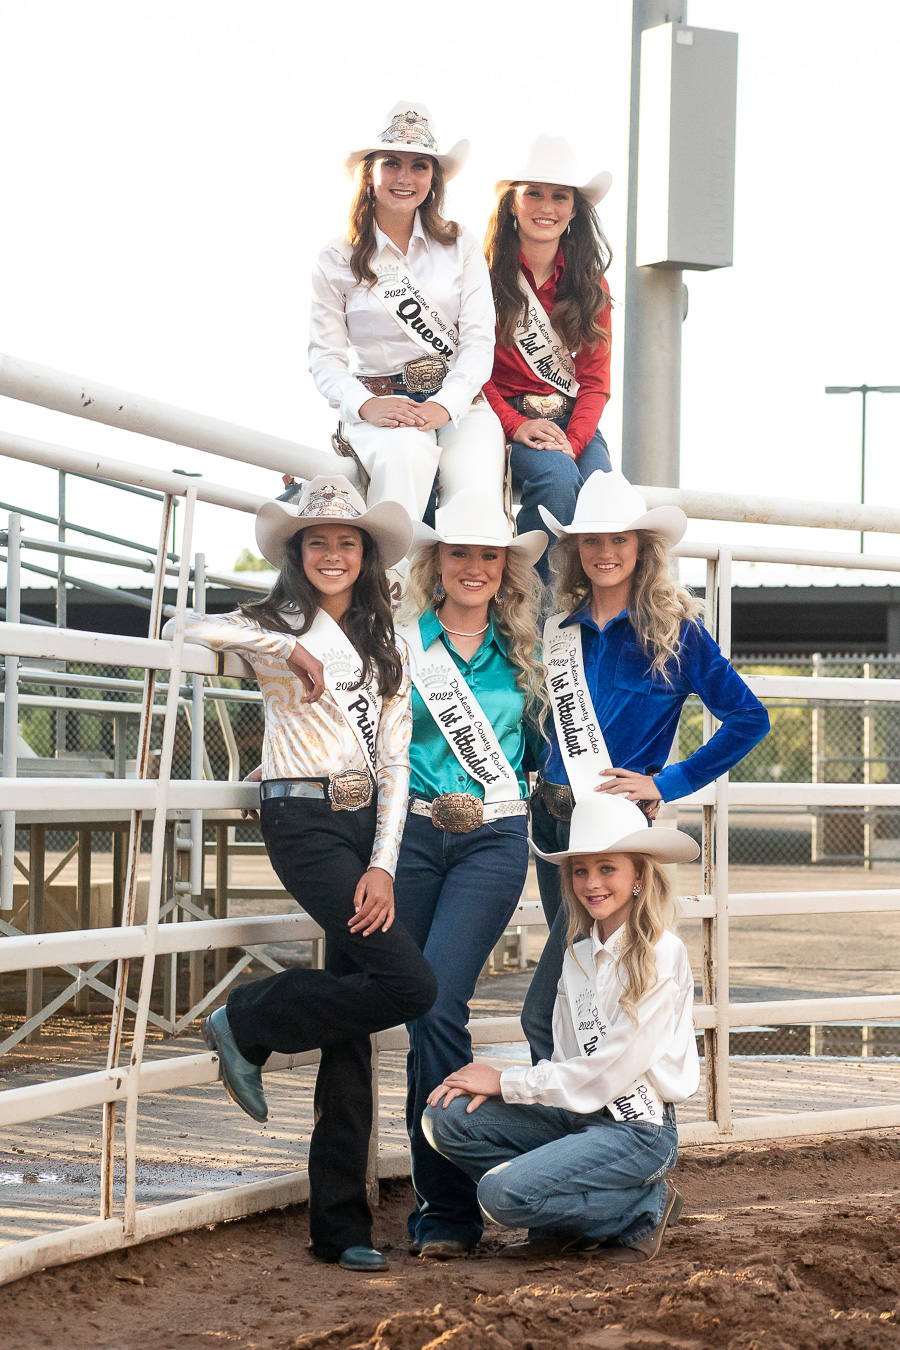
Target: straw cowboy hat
[[470, 518], [551, 159], [604, 824], [608, 504], [410, 126], [332, 497]]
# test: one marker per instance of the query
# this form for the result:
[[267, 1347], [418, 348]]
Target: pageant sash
[[418, 317], [541, 347], [361, 707], [578, 733], [459, 716], [590, 1022]]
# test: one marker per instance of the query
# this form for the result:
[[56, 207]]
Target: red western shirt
[[512, 375]]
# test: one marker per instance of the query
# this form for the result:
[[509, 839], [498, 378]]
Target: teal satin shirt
[[434, 769]]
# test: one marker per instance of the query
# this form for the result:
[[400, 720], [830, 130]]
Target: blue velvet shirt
[[638, 712]]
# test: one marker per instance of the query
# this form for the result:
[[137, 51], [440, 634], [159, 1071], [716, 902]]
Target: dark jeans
[[551, 479], [368, 984], [455, 893], [551, 836]]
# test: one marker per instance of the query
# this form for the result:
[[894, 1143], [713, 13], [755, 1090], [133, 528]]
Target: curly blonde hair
[[516, 617], [652, 912], [657, 605]]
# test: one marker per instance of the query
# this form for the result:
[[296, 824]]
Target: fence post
[[707, 931], [34, 979], [197, 739], [723, 993], [372, 1186], [867, 749], [83, 903], [817, 749], [11, 708]]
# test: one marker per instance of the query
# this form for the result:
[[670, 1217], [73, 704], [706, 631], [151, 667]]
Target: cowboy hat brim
[[451, 162], [594, 191], [669, 521], [531, 544], [660, 842], [388, 524]]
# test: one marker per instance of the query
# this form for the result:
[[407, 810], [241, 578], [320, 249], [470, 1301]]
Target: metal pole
[[197, 961], [11, 709], [61, 606], [723, 981], [654, 313], [862, 485]]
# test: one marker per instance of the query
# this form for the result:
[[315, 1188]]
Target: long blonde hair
[[657, 605], [516, 617], [651, 913], [361, 227]]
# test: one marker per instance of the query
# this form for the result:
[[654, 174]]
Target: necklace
[[456, 633]]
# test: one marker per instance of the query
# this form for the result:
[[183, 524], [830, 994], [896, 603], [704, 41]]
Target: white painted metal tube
[[775, 510], [55, 794], [794, 557], [71, 644], [841, 688], [791, 1126], [11, 710], [80, 397]]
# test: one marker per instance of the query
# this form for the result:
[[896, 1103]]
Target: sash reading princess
[[335, 779]]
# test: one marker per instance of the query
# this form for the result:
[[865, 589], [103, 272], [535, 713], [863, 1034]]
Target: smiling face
[[471, 573], [609, 560], [332, 557], [401, 181], [542, 211], [604, 884]]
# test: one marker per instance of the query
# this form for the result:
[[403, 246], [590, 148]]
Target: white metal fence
[[153, 797]]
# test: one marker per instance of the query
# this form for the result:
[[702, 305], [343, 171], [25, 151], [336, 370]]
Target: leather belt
[[557, 798], [423, 375], [350, 790], [461, 812], [551, 406]]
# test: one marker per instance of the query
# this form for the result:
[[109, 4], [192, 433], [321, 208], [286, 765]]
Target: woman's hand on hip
[[309, 671], [540, 433], [434, 416], [637, 787], [478, 1081], [373, 902], [392, 410]]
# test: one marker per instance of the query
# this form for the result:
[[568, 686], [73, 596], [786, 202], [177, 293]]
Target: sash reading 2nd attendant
[[459, 716], [541, 346], [360, 707]]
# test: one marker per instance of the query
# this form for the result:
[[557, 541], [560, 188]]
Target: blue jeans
[[455, 894], [556, 1172], [549, 478], [551, 836]]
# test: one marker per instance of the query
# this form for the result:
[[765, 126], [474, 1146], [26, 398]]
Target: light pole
[[863, 389]]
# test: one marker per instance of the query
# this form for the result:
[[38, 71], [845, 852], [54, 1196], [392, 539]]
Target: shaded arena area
[[787, 1247]]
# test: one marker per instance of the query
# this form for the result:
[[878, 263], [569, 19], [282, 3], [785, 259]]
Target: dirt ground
[[793, 1246]]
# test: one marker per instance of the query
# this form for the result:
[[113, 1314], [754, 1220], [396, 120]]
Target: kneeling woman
[[577, 1149], [332, 805], [472, 607]]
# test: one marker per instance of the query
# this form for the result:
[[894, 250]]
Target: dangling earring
[[499, 597], [568, 228], [635, 890], [515, 223], [439, 592], [370, 192]]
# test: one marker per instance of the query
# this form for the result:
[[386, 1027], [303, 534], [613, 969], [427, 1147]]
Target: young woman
[[623, 653], [471, 611], [407, 295], [332, 805], [577, 1149], [547, 256]]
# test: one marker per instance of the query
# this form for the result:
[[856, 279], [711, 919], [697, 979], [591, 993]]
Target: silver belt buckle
[[424, 374], [457, 812], [349, 790]]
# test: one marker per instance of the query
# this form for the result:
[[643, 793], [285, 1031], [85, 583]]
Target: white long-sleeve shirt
[[661, 1047], [312, 740], [348, 319]]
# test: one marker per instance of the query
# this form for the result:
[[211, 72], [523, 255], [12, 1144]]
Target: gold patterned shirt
[[312, 740]]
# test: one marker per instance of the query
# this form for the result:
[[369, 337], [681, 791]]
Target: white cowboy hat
[[608, 504], [472, 518], [332, 497], [551, 159], [410, 126], [605, 824]]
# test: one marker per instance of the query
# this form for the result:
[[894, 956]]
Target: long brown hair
[[367, 622], [657, 605], [581, 297], [361, 229], [651, 913]]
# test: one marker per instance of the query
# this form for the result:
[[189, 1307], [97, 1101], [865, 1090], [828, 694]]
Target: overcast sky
[[171, 169]]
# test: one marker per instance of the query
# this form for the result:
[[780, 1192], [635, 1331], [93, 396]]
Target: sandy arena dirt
[[781, 1247]]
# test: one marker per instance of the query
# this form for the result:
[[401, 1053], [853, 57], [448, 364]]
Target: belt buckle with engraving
[[559, 800], [543, 405], [424, 375], [457, 812], [350, 790]]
